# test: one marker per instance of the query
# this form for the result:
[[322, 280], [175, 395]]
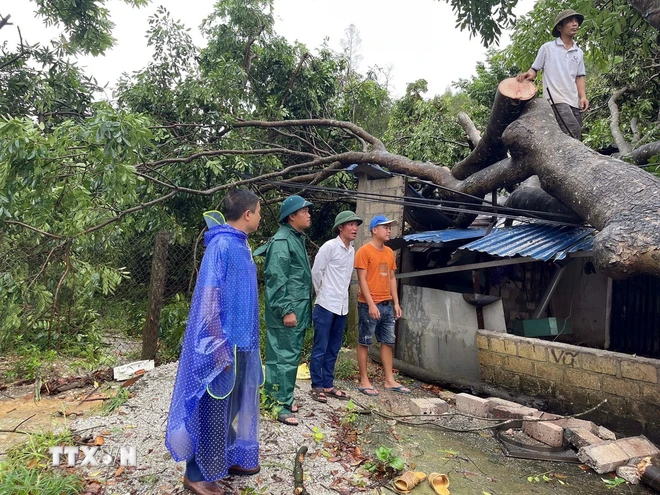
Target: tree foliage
[[80, 177]]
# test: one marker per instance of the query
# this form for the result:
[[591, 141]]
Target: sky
[[416, 37]]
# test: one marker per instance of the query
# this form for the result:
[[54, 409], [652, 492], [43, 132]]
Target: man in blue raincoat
[[288, 277], [213, 422]]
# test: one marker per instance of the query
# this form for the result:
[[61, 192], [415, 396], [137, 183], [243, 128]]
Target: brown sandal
[[318, 394], [337, 394]]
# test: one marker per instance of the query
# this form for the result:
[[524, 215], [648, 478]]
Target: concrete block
[[537, 352], [579, 437], [472, 405], [637, 447], [421, 406], [578, 423], [438, 406], [544, 431], [639, 371], [496, 401], [482, 342], [599, 363], [629, 473], [603, 458], [506, 412], [606, 434]]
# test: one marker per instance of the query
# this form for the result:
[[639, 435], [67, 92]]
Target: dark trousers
[[569, 119], [328, 336]]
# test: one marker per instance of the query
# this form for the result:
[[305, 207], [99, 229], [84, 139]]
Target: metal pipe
[[550, 289]]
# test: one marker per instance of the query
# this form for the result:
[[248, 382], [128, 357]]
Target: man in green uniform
[[288, 303]]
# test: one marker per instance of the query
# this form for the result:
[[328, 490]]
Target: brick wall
[[574, 379]]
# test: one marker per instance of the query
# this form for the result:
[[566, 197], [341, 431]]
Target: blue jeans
[[328, 335], [383, 328]]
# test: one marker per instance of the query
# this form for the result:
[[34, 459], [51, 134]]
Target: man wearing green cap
[[331, 276], [562, 62], [288, 290]]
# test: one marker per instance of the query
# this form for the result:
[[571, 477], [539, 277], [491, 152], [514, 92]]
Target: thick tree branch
[[376, 143], [634, 127], [202, 154], [292, 80], [642, 155], [510, 100], [619, 140], [649, 10], [470, 129]]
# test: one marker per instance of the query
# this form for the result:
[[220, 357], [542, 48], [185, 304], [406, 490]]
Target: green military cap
[[291, 205], [345, 217]]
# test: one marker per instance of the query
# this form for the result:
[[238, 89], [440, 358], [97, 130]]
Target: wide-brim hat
[[345, 217], [291, 205], [562, 16]]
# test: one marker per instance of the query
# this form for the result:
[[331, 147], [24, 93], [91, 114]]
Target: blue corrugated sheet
[[447, 235], [541, 242]]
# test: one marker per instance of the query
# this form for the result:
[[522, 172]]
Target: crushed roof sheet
[[541, 242], [447, 235]]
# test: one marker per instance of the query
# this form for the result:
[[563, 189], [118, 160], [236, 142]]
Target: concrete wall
[[366, 210], [437, 333], [574, 379]]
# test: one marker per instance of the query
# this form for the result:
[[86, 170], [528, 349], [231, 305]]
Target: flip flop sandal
[[408, 480], [337, 394], [285, 417], [318, 395], [400, 389], [439, 483], [294, 409], [370, 391]]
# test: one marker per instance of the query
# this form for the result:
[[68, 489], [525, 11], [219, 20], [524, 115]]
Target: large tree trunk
[[510, 99], [649, 9], [621, 200]]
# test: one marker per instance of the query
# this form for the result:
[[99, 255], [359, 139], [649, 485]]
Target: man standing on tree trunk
[[288, 280], [562, 63]]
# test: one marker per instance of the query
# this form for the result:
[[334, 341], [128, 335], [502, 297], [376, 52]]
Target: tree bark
[[471, 131], [618, 199], [530, 196], [510, 99], [155, 298], [644, 153], [615, 128], [649, 10]]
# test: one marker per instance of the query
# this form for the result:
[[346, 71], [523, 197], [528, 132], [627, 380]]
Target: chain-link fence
[[126, 312], [89, 302]]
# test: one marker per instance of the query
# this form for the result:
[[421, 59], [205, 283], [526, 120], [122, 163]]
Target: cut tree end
[[515, 90]]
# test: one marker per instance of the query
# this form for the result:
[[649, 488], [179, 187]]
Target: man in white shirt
[[562, 62], [331, 276]]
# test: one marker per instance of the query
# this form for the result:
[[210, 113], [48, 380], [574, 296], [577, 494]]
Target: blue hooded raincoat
[[214, 414]]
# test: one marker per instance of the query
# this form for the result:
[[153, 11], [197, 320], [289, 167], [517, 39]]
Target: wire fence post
[[155, 297]]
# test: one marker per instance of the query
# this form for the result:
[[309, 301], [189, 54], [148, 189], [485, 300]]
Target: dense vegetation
[[86, 183]]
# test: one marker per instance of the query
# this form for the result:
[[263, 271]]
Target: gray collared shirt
[[560, 68], [331, 275]]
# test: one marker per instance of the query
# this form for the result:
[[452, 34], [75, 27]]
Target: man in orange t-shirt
[[378, 303]]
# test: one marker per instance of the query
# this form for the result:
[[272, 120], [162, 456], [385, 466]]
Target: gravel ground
[[141, 422]]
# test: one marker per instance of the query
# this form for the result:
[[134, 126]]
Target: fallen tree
[[619, 199]]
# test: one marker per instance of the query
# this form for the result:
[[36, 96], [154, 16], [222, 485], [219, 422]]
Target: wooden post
[[155, 299]]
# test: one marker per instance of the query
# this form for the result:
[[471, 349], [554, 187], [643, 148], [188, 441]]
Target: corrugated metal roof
[[447, 235], [541, 242]]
